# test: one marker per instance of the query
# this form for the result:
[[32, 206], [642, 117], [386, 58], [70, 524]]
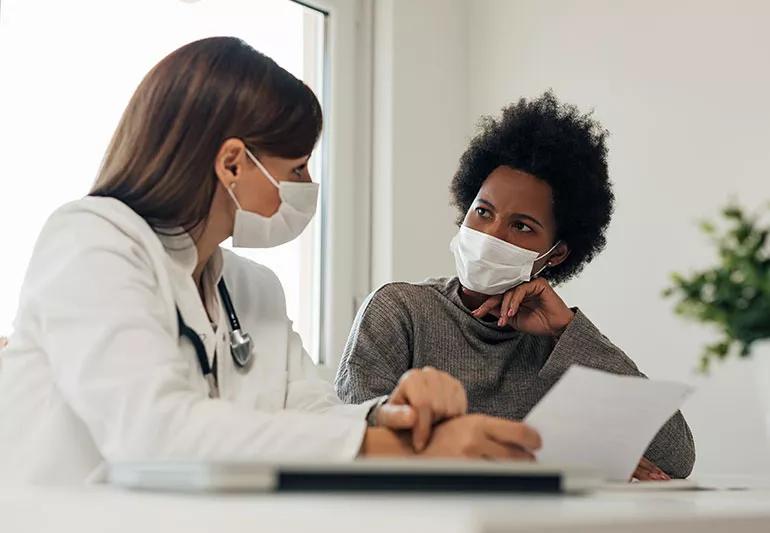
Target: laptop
[[369, 475]]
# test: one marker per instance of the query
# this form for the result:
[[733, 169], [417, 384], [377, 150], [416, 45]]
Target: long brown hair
[[160, 161]]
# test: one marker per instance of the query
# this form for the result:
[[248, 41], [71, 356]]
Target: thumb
[[396, 416]]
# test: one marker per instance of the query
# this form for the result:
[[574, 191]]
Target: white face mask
[[489, 265], [298, 205]]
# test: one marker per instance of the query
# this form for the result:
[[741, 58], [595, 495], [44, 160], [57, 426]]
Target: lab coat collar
[[183, 255], [181, 248]]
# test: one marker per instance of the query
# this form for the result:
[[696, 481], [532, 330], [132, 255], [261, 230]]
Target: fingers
[[449, 397], [649, 471], [412, 390], [491, 303], [515, 433], [436, 386], [490, 449], [396, 416], [519, 293], [433, 395], [503, 320], [422, 428]]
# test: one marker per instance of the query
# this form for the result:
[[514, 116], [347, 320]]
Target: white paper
[[603, 421]]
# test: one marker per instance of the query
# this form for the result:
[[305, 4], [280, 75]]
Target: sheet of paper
[[603, 421]]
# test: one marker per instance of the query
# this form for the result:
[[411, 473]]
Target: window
[[69, 75]]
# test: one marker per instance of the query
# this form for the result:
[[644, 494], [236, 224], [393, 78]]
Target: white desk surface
[[106, 510]]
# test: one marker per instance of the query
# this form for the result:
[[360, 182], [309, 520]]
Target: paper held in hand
[[603, 421]]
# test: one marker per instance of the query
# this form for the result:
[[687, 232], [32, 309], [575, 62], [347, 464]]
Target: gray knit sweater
[[505, 372]]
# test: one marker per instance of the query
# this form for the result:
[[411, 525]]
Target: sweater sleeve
[[379, 348], [673, 448]]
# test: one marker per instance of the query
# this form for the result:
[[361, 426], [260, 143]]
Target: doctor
[[138, 338]]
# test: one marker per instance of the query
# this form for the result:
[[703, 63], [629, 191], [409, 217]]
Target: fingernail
[[510, 312]]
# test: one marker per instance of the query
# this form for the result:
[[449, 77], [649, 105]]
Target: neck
[[206, 245], [217, 227], [472, 299]]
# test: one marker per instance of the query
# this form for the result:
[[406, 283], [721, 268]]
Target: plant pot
[[729, 415], [761, 362]]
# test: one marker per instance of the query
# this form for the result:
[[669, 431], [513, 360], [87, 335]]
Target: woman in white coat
[[121, 347]]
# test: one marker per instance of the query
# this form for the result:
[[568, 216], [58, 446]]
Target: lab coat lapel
[[261, 385], [181, 260]]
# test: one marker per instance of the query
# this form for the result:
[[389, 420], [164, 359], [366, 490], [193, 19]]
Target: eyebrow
[[514, 215]]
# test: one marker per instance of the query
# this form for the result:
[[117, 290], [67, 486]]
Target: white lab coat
[[95, 369]]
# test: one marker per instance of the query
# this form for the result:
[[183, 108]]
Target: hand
[[649, 471], [423, 397], [532, 307], [481, 436]]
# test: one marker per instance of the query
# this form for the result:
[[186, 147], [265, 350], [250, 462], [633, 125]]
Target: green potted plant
[[734, 294]]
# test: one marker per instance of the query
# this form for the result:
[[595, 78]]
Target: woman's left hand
[[649, 471], [532, 307]]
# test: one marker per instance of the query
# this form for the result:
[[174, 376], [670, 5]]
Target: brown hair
[[160, 161]]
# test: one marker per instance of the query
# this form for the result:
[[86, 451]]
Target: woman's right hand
[[422, 398], [483, 437]]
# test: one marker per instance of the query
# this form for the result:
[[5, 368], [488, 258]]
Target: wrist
[[371, 417], [383, 442], [569, 316]]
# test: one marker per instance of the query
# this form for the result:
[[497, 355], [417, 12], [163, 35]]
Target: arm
[[378, 351], [673, 448], [111, 338], [309, 391]]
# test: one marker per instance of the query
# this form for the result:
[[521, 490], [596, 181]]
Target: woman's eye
[[483, 213], [299, 171], [521, 226]]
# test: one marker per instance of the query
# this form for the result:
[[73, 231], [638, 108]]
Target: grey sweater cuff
[[582, 343]]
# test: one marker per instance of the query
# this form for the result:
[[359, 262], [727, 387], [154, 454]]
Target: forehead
[[512, 190]]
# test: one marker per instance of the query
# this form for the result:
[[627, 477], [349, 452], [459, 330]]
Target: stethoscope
[[240, 341]]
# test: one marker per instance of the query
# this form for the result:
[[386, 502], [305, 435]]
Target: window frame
[[345, 206]]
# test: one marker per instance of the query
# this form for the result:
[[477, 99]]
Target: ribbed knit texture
[[505, 372]]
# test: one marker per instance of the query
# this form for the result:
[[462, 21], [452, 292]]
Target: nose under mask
[[298, 206], [489, 265]]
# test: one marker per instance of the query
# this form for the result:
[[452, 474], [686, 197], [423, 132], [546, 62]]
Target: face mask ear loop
[[536, 274], [261, 167], [232, 195]]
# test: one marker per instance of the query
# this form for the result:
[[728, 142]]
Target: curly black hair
[[559, 145]]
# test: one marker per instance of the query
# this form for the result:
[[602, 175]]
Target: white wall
[[420, 113], [683, 88]]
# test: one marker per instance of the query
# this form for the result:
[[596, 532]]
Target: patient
[[535, 201]]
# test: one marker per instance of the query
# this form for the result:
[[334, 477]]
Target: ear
[[229, 161], [559, 254]]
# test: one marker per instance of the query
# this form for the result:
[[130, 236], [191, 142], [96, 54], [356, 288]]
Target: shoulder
[[91, 249], [98, 221], [404, 297], [92, 229]]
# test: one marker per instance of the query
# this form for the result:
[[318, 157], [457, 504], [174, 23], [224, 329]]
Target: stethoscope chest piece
[[240, 347], [240, 342]]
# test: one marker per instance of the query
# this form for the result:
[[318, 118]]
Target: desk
[[109, 510]]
